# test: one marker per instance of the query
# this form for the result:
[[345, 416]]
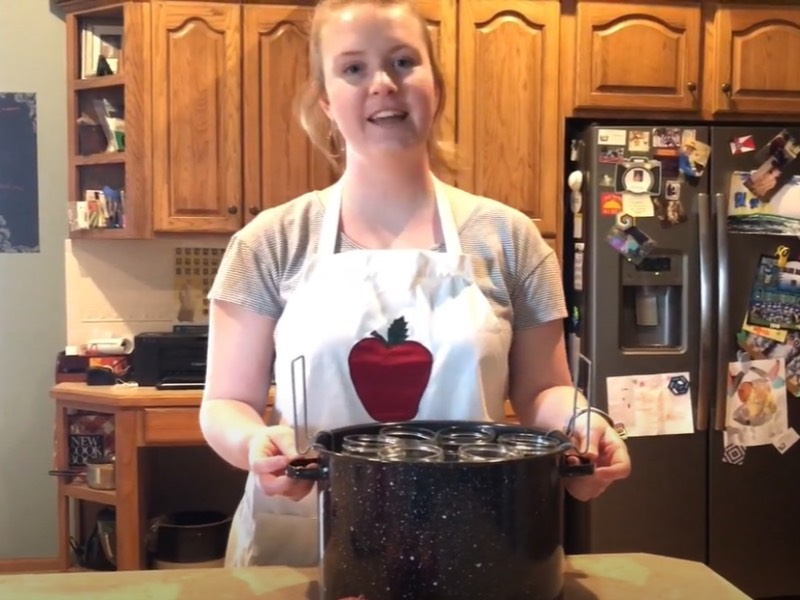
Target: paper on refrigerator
[[651, 404], [756, 410]]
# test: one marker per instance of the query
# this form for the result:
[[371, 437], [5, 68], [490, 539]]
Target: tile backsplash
[[118, 288]]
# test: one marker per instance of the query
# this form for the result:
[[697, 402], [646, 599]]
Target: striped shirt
[[514, 267]]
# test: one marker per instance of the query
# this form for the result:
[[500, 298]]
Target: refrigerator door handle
[[706, 369], [723, 321]]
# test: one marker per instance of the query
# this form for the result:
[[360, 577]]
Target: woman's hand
[[606, 450], [269, 453]]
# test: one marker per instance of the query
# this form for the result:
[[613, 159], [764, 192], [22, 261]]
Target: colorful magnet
[[775, 295], [694, 158], [610, 204], [742, 144], [630, 241]]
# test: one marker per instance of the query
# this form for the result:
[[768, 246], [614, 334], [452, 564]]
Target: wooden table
[[143, 417], [587, 577]]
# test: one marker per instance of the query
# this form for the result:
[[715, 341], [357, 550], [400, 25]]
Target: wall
[[32, 308], [118, 288]]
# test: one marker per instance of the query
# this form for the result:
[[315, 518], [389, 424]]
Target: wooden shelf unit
[[127, 89]]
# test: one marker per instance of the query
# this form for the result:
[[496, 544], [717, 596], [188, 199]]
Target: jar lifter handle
[[299, 364]]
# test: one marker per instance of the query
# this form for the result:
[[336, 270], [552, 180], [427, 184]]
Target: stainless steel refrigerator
[[666, 229]]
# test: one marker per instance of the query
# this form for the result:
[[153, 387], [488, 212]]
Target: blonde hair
[[322, 132]]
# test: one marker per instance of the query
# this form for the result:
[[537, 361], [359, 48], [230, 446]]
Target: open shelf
[[102, 158], [82, 491], [97, 83]]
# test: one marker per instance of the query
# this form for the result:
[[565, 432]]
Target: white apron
[[446, 358]]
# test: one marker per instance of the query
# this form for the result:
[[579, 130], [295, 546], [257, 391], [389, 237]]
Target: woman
[[463, 289]]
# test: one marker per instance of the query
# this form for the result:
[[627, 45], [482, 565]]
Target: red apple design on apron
[[390, 374]]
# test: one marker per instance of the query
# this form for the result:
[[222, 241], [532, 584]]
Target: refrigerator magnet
[[630, 241], [639, 141], [610, 204], [638, 205], [666, 137], [774, 158], [786, 440], [742, 144], [638, 176], [611, 137], [733, 454], [694, 158], [775, 295]]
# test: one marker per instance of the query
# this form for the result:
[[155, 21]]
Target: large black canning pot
[[392, 528]]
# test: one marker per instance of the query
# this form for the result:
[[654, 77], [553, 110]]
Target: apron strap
[[330, 220]]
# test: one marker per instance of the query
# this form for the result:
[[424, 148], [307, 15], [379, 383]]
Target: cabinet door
[[637, 56], [507, 120], [757, 52], [197, 159], [440, 16], [280, 162]]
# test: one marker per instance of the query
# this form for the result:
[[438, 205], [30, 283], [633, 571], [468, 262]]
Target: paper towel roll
[[110, 346]]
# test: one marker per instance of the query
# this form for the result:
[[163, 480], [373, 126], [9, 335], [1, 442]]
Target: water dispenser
[[652, 307]]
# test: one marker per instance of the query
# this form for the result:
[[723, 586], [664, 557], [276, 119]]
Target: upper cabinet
[[197, 142], [280, 160], [209, 91], [756, 51], [700, 59], [222, 79], [507, 123], [637, 56]]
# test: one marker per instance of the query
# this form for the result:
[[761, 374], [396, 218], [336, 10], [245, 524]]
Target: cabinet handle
[[691, 86], [726, 88], [233, 209], [253, 210]]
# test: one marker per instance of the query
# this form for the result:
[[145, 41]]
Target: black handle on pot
[[582, 468], [306, 468]]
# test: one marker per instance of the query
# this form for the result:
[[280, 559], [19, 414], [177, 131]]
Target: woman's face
[[379, 83]]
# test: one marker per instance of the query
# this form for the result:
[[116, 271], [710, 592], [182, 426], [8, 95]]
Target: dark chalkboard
[[19, 179]]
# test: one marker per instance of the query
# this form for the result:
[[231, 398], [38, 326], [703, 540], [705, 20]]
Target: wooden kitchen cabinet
[[700, 59], [280, 162], [197, 141], [223, 142], [755, 52], [501, 72], [508, 92], [637, 56]]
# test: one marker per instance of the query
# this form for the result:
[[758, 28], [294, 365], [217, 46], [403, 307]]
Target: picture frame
[[101, 38]]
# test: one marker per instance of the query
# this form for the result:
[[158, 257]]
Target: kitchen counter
[[587, 577]]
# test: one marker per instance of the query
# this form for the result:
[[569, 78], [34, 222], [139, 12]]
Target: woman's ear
[[325, 106]]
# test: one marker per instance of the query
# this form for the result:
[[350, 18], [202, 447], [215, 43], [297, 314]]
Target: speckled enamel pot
[[439, 530]]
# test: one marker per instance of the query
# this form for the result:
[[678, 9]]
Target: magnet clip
[[624, 221], [782, 254]]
